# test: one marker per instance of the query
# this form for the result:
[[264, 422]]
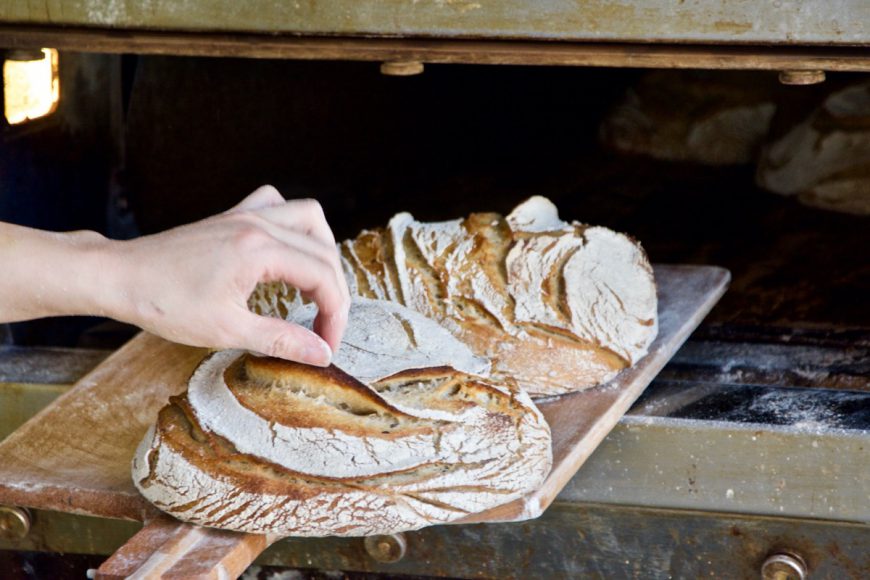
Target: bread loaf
[[709, 117], [557, 306], [823, 159], [384, 338], [269, 446]]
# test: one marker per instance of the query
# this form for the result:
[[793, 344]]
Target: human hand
[[191, 284]]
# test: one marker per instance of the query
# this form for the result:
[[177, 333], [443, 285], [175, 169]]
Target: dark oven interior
[[143, 143]]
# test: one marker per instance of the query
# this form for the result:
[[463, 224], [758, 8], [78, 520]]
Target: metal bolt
[[784, 566], [801, 77], [401, 68], [14, 523], [387, 549]]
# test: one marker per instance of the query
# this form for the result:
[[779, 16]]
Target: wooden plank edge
[[441, 51], [170, 549], [626, 398], [159, 533], [219, 555], [95, 503]]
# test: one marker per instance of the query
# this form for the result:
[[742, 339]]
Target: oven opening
[[732, 168]]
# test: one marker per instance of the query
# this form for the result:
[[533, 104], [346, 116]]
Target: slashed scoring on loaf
[[608, 293], [322, 454], [318, 450]]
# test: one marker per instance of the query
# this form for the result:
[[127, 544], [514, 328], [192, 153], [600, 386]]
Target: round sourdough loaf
[[268, 446], [557, 306]]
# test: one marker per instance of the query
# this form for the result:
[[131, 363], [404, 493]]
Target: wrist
[[97, 278], [57, 274]]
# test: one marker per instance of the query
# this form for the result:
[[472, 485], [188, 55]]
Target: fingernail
[[317, 352]]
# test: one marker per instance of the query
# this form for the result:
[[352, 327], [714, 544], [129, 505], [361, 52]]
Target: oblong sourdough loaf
[[268, 446], [558, 306]]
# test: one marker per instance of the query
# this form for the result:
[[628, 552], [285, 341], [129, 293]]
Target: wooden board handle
[[169, 549]]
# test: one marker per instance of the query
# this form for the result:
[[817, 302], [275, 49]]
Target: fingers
[[263, 197], [330, 322], [304, 215], [317, 279], [331, 327], [307, 258], [299, 215], [282, 339], [297, 241]]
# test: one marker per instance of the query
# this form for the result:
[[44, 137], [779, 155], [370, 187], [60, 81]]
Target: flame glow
[[31, 88]]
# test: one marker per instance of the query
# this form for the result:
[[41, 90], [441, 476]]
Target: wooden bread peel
[[169, 549], [74, 456]]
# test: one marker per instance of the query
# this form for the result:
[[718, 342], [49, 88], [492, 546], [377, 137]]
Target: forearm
[[54, 274], [189, 284]]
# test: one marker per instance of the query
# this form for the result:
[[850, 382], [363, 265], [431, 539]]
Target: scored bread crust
[[557, 306], [339, 457]]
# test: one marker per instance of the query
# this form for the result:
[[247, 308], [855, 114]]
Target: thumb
[[282, 339]]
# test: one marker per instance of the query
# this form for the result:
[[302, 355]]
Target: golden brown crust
[[302, 396]]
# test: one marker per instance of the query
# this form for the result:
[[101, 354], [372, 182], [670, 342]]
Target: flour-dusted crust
[[384, 338], [558, 306], [268, 446]]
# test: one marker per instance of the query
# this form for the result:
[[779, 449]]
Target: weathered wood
[[441, 51], [703, 21], [805, 468], [571, 542], [161, 533], [168, 549]]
